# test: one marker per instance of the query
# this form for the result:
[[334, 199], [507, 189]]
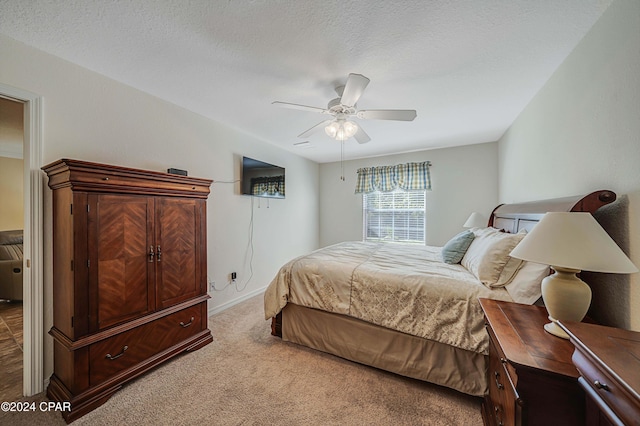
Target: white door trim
[[33, 266]]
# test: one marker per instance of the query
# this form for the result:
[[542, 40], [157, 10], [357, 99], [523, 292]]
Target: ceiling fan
[[343, 109]]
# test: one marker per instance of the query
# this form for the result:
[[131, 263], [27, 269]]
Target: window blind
[[397, 216]]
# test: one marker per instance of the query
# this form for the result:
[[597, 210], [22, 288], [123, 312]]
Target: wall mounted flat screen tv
[[262, 179]]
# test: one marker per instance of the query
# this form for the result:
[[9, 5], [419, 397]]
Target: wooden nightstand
[[532, 380], [609, 363]]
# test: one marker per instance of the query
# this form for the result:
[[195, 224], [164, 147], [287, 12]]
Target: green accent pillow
[[456, 247]]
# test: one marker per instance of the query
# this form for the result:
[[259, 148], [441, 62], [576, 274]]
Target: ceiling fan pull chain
[[342, 160]]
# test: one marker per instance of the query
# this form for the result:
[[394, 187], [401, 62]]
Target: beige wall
[[90, 117], [11, 194], [464, 179], [581, 133], [11, 128]]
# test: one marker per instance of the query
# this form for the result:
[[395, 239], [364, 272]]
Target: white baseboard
[[231, 303]]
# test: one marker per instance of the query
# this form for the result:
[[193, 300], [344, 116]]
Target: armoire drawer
[[120, 352]]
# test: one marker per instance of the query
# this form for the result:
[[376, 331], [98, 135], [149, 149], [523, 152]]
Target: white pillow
[[488, 254], [526, 285], [509, 271]]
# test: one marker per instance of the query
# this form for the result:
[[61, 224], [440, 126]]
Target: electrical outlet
[[212, 285], [234, 276]]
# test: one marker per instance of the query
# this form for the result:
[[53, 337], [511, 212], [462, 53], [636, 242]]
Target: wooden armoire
[[129, 276]]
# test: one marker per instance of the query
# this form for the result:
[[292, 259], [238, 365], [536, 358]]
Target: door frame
[[33, 267]]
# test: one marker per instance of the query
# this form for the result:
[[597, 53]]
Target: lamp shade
[[573, 240], [476, 220]]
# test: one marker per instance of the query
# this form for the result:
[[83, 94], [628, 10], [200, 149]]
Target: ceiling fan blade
[[314, 129], [300, 107], [356, 84], [388, 114], [361, 136]]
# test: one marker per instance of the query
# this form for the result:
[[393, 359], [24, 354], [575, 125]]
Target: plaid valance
[[388, 178]]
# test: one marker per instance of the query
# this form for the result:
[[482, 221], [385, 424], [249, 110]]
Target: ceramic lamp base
[[566, 297], [555, 329]]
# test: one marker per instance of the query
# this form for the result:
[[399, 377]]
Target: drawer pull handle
[[119, 355], [599, 385], [498, 384], [498, 419], [151, 254], [159, 254], [183, 325]]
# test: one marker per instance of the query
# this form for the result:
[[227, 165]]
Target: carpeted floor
[[248, 377]]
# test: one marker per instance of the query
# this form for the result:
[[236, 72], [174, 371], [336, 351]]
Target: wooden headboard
[[516, 217]]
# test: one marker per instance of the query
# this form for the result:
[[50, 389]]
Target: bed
[[402, 309]]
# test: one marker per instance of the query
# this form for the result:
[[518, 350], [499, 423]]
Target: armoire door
[[180, 250], [121, 258]]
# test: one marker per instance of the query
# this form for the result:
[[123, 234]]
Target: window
[[397, 216]]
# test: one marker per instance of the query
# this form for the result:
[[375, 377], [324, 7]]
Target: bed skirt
[[386, 349]]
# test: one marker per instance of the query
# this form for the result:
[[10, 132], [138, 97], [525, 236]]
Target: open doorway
[[32, 238], [11, 248]]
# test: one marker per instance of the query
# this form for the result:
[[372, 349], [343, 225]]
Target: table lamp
[[570, 242], [476, 220]]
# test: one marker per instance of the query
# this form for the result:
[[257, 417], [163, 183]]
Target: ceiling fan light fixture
[[341, 129]]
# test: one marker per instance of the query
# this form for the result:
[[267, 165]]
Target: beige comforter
[[401, 287]]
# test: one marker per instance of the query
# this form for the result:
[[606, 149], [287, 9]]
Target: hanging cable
[[248, 252], [342, 160]]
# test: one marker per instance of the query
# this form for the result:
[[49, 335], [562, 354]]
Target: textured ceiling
[[468, 67]]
